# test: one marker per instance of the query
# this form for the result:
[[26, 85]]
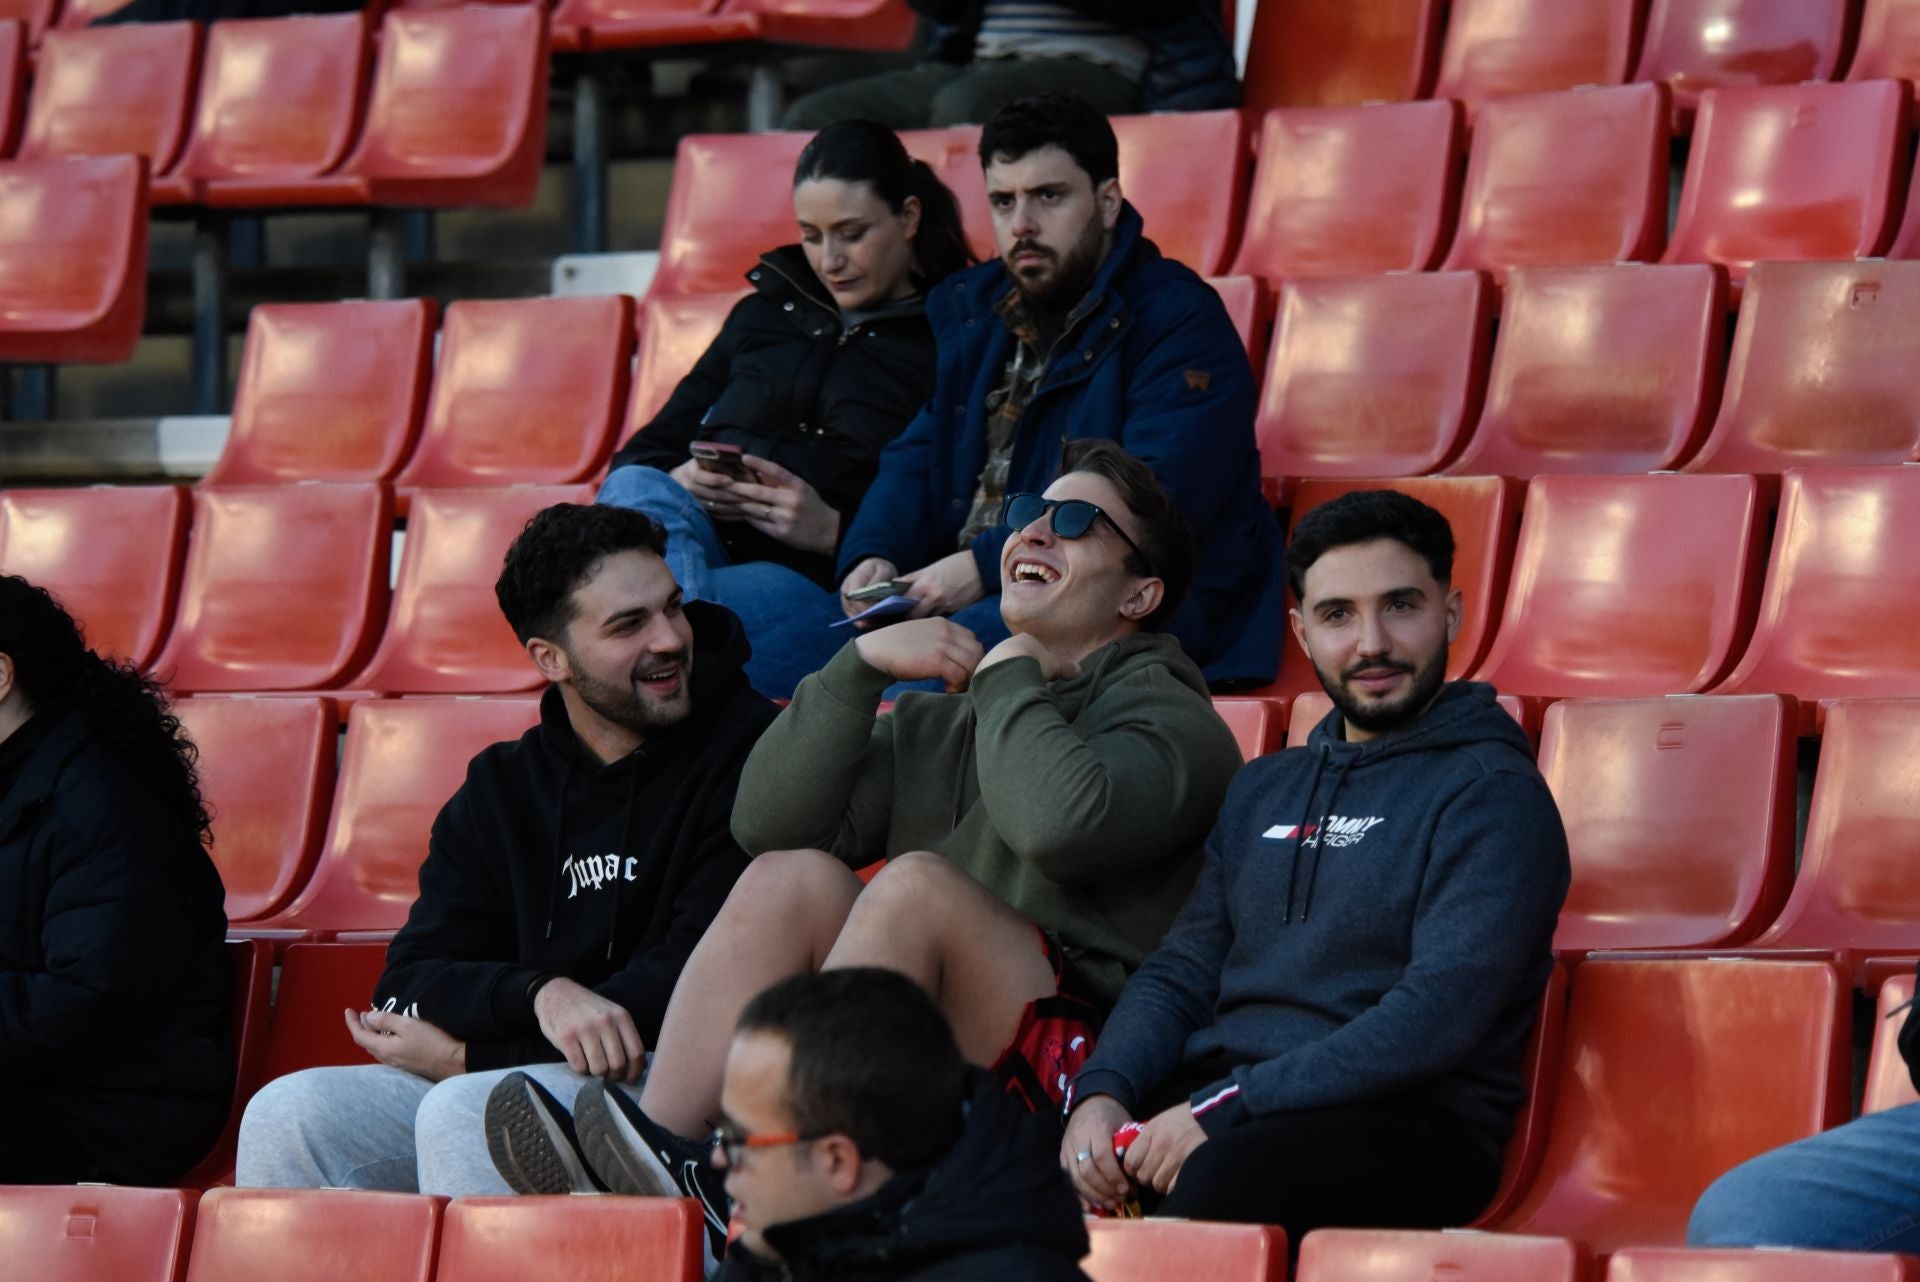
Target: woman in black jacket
[[814, 372], [114, 1042]]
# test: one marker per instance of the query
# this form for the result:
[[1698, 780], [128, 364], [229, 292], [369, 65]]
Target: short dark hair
[[557, 552], [872, 1058], [1163, 531], [1061, 120], [1362, 516]]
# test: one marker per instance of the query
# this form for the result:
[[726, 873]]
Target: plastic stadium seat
[[1246, 303], [1889, 1081], [506, 1239], [1679, 817], [34, 16], [279, 99], [1858, 892], [250, 994], [1341, 190], [1189, 181], [445, 633], [1540, 1075], [1259, 725], [266, 768], [1795, 172], [1674, 1071], [1183, 1251], [284, 587], [317, 982], [640, 24], [1676, 1264], [1906, 242], [1889, 47], [1699, 45], [13, 80], [403, 759], [73, 259], [76, 14], [121, 90], [1393, 1255], [314, 1235], [1565, 178], [95, 1232], [1629, 585], [1335, 53], [1500, 47], [328, 392], [1820, 372], [111, 554], [1839, 615], [1601, 369], [730, 202], [675, 330], [1311, 706], [884, 25], [527, 392], [1374, 375]]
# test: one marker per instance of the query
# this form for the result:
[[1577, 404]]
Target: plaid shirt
[[1005, 405]]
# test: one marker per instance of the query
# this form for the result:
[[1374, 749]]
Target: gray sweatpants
[[369, 1126]]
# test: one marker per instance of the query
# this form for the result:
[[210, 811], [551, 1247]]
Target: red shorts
[[1053, 1041]]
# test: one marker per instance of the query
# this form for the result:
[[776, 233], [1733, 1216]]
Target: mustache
[[1375, 666], [1030, 247], [659, 664]]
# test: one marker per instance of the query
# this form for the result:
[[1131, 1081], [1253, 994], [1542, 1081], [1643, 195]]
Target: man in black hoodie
[[564, 886], [1332, 1031]]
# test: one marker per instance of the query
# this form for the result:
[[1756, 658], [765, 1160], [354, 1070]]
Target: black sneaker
[[532, 1141], [631, 1153]]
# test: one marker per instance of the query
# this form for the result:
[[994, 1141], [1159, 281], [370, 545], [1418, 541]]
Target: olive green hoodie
[[1082, 803]]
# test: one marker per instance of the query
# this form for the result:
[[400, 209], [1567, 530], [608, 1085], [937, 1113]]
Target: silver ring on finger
[[766, 511], [1083, 1157]]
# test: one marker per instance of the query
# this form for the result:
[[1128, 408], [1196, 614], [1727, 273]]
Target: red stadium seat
[[527, 392], [317, 982], [328, 392], [1374, 375], [1889, 1080], [95, 1232], [120, 90], [1311, 706], [642, 24], [730, 203], [250, 995], [1259, 725], [13, 80], [75, 14], [507, 1239], [1183, 1251], [1565, 178], [1246, 304], [284, 588], [1820, 372], [1839, 616], [1675, 1264], [1889, 47], [445, 634], [885, 25], [1906, 242], [675, 330], [1392, 1255], [1341, 190], [1679, 817], [1188, 174], [403, 759], [1540, 1074], [1629, 585], [1699, 45], [111, 554], [1601, 369], [1673, 1072], [34, 16], [73, 259], [1500, 47], [1335, 53], [1793, 172], [314, 1235]]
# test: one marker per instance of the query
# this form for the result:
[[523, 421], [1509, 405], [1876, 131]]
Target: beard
[[1380, 715], [626, 704], [1059, 289]]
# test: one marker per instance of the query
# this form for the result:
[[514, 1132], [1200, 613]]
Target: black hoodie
[[547, 863], [996, 1208]]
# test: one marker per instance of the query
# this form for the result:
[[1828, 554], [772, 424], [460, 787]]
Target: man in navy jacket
[[1079, 329]]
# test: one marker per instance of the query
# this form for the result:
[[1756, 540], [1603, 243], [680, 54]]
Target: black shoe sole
[[610, 1154], [520, 1144]]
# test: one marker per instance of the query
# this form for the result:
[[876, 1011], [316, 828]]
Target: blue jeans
[[785, 613], [1853, 1188]]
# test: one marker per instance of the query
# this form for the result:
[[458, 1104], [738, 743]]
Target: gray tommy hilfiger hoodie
[[1372, 920]]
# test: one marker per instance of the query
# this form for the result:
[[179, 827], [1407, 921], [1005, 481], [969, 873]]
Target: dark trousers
[[48, 1136], [938, 94]]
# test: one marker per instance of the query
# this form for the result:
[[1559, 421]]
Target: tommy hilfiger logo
[[1338, 831]]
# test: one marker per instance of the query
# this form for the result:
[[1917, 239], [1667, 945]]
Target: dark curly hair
[[55, 672], [557, 552], [1060, 120], [1362, 516]]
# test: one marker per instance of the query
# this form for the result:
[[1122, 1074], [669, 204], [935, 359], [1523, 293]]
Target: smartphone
[[878, 591], [716, 456]]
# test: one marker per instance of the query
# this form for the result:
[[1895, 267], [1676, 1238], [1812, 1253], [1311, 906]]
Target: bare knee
[[789, 877], [913, 875]]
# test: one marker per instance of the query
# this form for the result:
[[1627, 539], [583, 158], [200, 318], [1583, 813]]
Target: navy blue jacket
[[1155, 364]]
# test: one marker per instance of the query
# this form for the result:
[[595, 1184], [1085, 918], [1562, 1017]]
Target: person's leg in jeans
[[1853, 1188], [694, 549], [900, 99], [982, 88], [982, 618], [347, 1127], [450, 1130], [789, 619]]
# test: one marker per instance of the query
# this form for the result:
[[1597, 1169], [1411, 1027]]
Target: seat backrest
[[249, 1000], [1246, 304], [1700, 45], [886, 25], [1889, 47], [1906, 242], [279, 97], [527, 391], [56, 1233], [1334, 53], [1889, 1080], [506, 1239], [731, 201], [1679, 818], [1819, 372], [34, 16], [1792, 172], [1374, 375], [1185, 1251], [1575, 177], [1629, 585], [1679, 1264], [1602, 369], [1186, 172], [317, 982], [445, 634], [314, 1235], [1352, 189], [1499, 47], [1258, 725], [1674, 1072], [119, 90], [285, 587], [13, 78], [1540, 1076], [111, 554], [675, 331], [75, 14], [1398, 1255], [73, 259], [328, 392]]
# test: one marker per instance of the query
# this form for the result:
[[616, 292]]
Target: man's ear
[[550, 659], [1299, 623], [1455, 606], [1145, 599], [1107, 195], [6, 677], [840, 1159]]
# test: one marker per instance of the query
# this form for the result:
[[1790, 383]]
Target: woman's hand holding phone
[[714, 490], [783, 506]]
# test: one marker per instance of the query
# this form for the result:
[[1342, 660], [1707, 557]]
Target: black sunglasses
[[1072, 518]]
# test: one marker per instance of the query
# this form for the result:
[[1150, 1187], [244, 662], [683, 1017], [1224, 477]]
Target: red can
[[1122, 1141]]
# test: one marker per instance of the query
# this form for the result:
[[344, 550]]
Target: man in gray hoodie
[[1332, 1031]]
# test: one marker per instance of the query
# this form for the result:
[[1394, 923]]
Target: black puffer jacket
[[788, 381], [997, 1208]]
